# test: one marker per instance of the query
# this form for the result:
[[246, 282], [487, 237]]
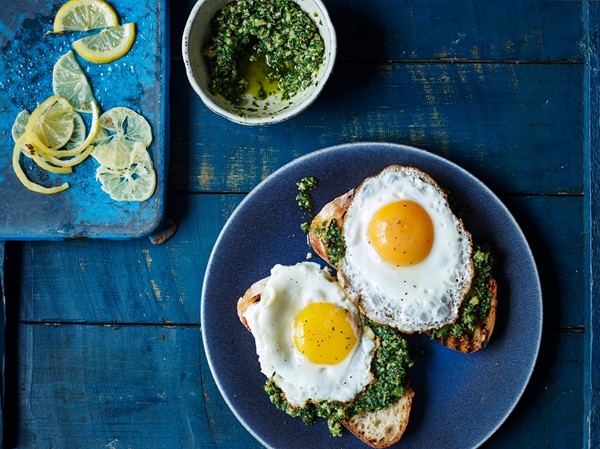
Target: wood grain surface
[[104, 344], [591, 384]]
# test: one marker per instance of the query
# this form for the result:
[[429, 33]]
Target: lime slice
[[120, 130], [18, 128], [84, 15], [69, 81], [136, 182], [106, 46], [50, 125]]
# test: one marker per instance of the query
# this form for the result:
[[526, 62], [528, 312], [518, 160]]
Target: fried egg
[[408, 257], [309, 337]]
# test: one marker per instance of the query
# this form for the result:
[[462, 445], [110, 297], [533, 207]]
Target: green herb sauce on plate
[[390, 367]]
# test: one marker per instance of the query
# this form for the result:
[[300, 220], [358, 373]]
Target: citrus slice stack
[[120, 129], [84, 15], [135, 182], [126, 171], [53, 135]]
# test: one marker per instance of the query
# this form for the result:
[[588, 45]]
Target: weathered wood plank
[[130, 281], [119, 387], [591, 384], [84, 386], [137, 282], [506, 122], [557, 244], [480, 30], [550, 412], [516, 30]]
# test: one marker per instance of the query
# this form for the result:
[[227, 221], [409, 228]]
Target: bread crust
[[384, 427], [480, 336], [334, 210], [251, 296]]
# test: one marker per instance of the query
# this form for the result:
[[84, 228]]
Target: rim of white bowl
[[266, 120]]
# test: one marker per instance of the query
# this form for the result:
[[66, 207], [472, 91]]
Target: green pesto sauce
[[333, 238], [305, 186], [477, 301], [262, 47], [389, 366]]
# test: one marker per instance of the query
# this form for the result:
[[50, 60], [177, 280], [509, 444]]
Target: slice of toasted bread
[[380, 428], [251, 296], [384, 427], [474, 341], [336, 210]]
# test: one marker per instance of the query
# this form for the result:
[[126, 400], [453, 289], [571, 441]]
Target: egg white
[[420, 297], [288, 290]]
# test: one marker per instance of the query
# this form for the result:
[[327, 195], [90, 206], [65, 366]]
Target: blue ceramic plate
[[139, 80], [451, 388]]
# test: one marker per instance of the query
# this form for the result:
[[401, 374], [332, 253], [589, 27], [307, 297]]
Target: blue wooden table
[[103, 338]]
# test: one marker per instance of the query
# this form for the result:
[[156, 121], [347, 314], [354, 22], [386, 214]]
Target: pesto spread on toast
[[389, 365]]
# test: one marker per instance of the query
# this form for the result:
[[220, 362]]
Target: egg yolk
[[323, 332], [402, 233]]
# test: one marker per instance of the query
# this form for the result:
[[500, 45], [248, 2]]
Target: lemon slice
[[82, 150], [136, 182], [18, 128], [120, 129], [50, 125], [73, 161], [29, 150], [23, 177], [106, 46], [41, 160], [69, 81], [84, 15], [74, 149], [78, 135]]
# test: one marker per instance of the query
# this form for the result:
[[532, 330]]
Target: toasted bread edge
[[479, 338], [384, 427]]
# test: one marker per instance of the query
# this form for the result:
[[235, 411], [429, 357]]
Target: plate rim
[[392, 147]]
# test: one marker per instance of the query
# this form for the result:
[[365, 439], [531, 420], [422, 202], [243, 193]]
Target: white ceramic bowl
[[195, 37]]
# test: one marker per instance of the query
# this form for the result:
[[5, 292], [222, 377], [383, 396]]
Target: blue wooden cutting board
[[139, 81]]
